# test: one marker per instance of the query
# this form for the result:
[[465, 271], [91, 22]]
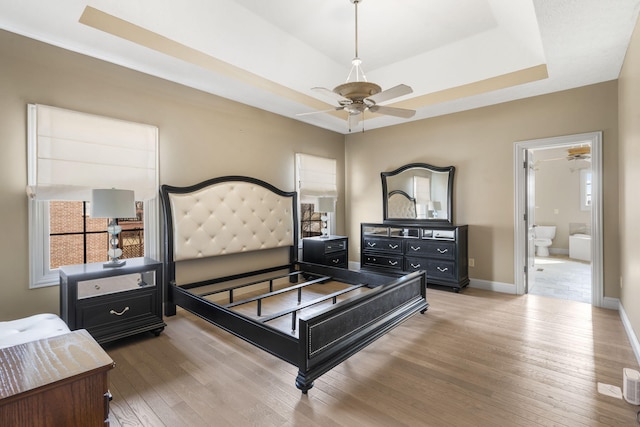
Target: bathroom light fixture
[[113, 204]]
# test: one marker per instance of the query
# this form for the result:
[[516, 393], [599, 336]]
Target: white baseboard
[[611, 303], [507, 288], [633, 339]]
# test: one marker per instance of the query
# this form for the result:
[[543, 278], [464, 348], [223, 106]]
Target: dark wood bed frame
[[325, 338]]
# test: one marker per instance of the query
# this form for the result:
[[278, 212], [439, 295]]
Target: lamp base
[[114, 263]]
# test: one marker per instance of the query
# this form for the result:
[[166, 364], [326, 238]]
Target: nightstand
[[330, 250], [112, 303]]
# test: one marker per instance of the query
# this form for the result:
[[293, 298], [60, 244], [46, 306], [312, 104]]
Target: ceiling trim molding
[[526, 75]]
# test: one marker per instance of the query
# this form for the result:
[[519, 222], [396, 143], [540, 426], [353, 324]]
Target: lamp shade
[[326, 204], [112, 203], [433, 206]]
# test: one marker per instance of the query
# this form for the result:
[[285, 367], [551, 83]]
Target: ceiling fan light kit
[[357, 95]]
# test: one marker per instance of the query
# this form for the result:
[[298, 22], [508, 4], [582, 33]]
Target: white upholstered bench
[[38, 326]]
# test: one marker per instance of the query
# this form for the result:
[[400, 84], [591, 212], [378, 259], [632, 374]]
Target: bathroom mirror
[[418, 193]]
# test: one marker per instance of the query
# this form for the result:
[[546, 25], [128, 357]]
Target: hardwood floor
[[476, 358]]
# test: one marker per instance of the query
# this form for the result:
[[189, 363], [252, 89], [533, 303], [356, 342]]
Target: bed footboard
[[330, 337]]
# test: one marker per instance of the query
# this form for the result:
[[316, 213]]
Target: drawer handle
[[415, 249], [415, 265], [121, 313], [442, 251], [393, 262], [442, 270], [393, 246], [336, 260], [371, 244]]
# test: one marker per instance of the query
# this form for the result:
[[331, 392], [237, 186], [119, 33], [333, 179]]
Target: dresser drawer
[[386, 245], [431, 249], [445, 270], [115, 312], [388, 261]]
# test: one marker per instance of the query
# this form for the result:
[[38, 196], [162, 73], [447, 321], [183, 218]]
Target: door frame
[[520, 220]]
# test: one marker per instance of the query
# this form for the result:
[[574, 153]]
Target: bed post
[[169, 269]]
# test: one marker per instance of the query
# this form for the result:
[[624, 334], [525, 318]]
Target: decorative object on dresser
[[115, 302], [330, 250], [56, 381], [440, 250], [309, 315]]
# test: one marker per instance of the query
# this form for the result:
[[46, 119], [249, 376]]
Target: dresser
[[330, 250], [440, 250], [56, 381], [112, 303]]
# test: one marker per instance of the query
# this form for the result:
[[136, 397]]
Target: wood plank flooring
[[476, 358]]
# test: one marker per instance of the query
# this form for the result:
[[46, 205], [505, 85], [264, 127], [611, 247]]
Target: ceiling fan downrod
[[356, 71]]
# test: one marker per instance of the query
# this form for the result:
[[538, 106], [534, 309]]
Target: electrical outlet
[[472, 262]]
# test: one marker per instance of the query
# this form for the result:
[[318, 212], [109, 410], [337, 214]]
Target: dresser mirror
[[418, 193]]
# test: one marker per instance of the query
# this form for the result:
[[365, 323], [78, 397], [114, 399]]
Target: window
[[315, 183], [76, 238], [70, 153]]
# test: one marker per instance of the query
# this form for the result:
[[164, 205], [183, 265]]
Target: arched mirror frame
[[434, 221]]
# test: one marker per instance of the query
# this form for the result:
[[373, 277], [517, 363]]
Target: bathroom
[[563, 223]]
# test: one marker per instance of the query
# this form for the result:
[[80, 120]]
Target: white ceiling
[[455, 54]]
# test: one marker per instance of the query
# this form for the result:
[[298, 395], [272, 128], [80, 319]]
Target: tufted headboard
[[401, 205], [227, 215]]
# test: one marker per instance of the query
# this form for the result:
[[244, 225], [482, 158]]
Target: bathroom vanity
[[417, 232]]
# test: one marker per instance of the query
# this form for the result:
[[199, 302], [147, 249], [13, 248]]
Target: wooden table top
[[28, 366]]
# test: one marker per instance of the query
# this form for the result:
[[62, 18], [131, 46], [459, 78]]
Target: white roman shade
[[77, 152], [316, 176]]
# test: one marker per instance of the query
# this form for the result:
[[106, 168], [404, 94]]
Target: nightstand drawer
[[335, 246], [336, 259], [123, 309]]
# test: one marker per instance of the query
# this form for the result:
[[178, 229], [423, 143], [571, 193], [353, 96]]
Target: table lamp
[[326, 205], [113, 204]]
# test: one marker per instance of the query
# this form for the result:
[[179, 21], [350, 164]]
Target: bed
[[311, 316]]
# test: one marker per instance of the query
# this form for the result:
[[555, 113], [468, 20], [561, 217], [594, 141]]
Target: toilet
[[544, 234]]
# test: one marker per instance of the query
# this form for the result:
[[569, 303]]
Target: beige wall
[[629, 234], [480, 144], [201, 136]]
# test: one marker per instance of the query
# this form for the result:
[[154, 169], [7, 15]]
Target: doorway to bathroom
[[558, 217]]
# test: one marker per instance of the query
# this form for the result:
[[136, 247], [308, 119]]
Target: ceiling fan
[[357, 95], [579, 153]]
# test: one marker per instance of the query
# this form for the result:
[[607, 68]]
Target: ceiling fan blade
[[392, 111], [331, 94], [320, 111], [390, 93]]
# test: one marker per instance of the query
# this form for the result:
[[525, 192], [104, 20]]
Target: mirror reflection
[[418, 192]]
